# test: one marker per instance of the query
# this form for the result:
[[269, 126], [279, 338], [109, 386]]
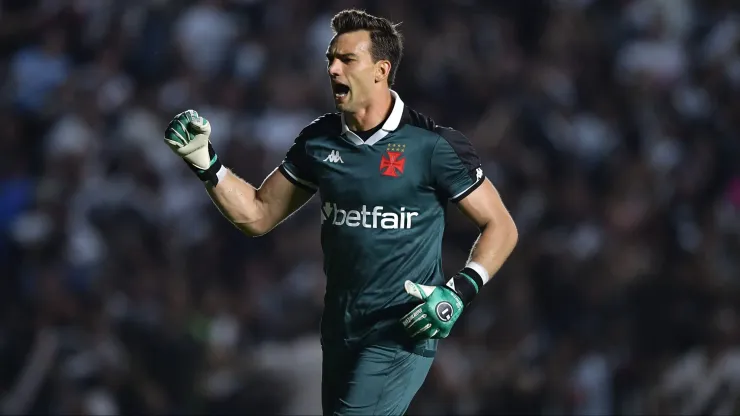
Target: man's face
[[351, 69]]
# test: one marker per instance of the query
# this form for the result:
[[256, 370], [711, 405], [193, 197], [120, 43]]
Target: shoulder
[[416, 119], [329, 124], [425, 123], [453, 141], [454, 138], [443, 136]]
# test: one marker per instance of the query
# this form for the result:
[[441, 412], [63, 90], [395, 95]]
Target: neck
[[371, 115]]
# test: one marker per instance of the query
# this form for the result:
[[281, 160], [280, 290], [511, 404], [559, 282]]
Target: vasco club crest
[[393, 162]]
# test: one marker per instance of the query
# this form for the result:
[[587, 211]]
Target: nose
[[334, 68]]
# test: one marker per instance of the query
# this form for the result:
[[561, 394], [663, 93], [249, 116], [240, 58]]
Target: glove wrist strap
[[215, 171], [466, 283]]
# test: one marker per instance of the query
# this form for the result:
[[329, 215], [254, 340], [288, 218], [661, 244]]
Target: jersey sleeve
[[456, 167], [296, 166]]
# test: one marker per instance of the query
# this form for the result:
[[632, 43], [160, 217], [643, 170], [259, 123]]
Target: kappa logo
[[392, 163], [334, 157], [478, 174]]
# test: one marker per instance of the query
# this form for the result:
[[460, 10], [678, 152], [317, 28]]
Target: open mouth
[[340, 90]]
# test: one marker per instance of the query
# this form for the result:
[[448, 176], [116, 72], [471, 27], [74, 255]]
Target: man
[[384, 174]]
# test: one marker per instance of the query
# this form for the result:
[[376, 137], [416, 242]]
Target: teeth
[[340, 90]]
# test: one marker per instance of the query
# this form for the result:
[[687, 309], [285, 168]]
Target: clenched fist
[[188, 135]]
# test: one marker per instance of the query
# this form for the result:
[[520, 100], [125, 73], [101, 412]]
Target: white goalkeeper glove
[[188, 135]]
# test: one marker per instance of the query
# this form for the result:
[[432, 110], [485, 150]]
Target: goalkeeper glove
[[188, 135], [442, 305]]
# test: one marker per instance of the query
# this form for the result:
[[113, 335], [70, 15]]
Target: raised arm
[[255, 211]]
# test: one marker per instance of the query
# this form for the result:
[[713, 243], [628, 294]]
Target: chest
[[388, 172]]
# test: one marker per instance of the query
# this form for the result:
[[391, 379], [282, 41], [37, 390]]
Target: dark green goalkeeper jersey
[[383, 206]]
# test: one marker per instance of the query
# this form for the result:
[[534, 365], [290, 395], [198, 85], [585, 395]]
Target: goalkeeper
[[384, 174]]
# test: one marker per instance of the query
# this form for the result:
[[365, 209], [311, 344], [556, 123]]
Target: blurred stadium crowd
[[611, 128]]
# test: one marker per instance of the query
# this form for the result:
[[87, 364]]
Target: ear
[[382, 70]]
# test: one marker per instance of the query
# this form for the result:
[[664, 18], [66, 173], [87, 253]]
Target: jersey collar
[[392, 123]]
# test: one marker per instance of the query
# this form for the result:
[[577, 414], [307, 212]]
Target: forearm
[[254, 211], [493, 246], [239, 203]]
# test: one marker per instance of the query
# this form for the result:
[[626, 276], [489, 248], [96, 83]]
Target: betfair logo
[[334, 157], [377, 217]]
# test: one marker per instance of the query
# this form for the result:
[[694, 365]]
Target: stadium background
[[609, 126]]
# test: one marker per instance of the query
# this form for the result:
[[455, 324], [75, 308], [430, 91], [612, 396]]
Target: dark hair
[[387, 42]]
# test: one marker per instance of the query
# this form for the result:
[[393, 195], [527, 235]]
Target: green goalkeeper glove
[[188, 135], [442, 305], [433, 318]]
